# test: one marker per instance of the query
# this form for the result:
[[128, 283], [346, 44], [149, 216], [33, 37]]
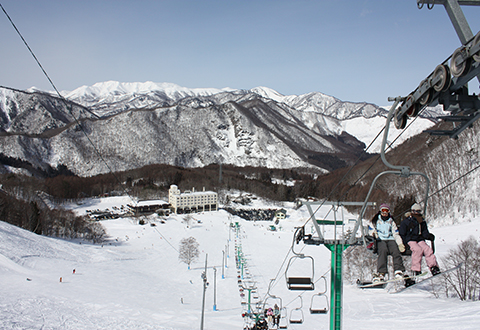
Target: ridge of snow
[[102, 89], [269, 93]]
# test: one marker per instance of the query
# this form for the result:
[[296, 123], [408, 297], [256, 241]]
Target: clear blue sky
[[355, 50]]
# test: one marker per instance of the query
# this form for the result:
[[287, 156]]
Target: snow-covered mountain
[[130, 125]]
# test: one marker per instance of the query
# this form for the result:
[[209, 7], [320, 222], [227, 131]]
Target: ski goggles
[[384, 210]]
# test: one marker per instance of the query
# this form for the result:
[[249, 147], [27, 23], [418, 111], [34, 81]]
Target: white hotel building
[[192, 201]]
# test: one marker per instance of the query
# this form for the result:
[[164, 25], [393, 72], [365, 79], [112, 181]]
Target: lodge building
[[192, 201], [150, 206]]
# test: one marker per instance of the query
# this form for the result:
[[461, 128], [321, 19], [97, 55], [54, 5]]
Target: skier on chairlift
[[414, 232], [385, 232], [276, 315]]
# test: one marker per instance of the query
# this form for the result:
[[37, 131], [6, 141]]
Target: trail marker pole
[[223, 268], [215, 288], [205, 283]]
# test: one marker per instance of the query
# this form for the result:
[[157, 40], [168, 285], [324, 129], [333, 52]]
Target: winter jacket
[[276, 312], [414, 228], [384, 230]]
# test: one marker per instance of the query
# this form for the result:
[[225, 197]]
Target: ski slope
[[134, 280]]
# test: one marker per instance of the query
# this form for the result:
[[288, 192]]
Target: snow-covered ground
[[134, 280]]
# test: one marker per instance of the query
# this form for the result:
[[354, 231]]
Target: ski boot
[[434, 270], [398, 274], [378, 278], [409, 281]]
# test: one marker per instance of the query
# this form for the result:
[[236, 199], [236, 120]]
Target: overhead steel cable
[[58, 93], [454, 181], [378, 157], [330, 194], [344, 176], [69, 108]]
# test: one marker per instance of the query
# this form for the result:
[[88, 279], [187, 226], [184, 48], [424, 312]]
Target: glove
[[431, 237], [401, 247]]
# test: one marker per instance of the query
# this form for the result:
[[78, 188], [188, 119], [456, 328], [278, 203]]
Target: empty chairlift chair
[[319, 304], [297, 282], [283, 324], [319, 301], [304, 280], [296, 314]]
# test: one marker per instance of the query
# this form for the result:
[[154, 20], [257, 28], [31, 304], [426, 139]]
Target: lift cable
[[356, 163], [378, 157], [343, 178], [338, 184], [60, 95], [62, 98], [454, 181]]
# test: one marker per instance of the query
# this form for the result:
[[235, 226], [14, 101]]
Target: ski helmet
[[384, 206], [416, 207]]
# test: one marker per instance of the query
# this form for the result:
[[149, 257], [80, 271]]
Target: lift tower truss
[[447, 85]]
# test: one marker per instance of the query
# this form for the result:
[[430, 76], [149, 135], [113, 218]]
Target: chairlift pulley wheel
[[476, 41], [459, 64], [442, 74], [425, 98], [413, 107], [400, 123]]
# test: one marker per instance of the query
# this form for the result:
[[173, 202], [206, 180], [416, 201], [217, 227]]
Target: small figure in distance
[[414, 232], [276, 315], [389, 242]]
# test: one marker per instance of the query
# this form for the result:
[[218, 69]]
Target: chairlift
[[283, 323], [277, 300], [304, 283], [319, 304], [295, 282], [296, 314], [319, 301], [399, 170]]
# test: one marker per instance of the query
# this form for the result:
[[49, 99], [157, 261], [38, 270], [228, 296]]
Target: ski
[[383, 284], [439, 275]]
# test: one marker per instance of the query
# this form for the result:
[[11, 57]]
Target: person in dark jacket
[[414, 232], [389, 242]]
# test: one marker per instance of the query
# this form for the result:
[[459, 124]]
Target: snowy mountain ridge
[[144, 95], [136, 124]]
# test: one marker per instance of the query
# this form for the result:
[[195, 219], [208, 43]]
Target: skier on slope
[[389, 242], [414, 232]]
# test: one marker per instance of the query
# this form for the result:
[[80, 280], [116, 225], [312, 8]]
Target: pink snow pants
[[418, 250]]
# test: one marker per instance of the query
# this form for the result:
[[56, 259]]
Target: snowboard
[[440, 275], [383, 284]]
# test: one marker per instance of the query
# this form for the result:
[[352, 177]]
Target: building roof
[[148, 203]]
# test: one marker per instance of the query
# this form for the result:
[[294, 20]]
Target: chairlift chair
[[304, 283], [399, 170], [283, 324], [269, 296], [296, 314], [319, 301], [319, 305], [295, 282]]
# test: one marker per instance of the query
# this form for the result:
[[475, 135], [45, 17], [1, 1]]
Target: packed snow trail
[[135, 280]]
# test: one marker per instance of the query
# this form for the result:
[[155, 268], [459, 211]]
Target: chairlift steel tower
[[336, 246]]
